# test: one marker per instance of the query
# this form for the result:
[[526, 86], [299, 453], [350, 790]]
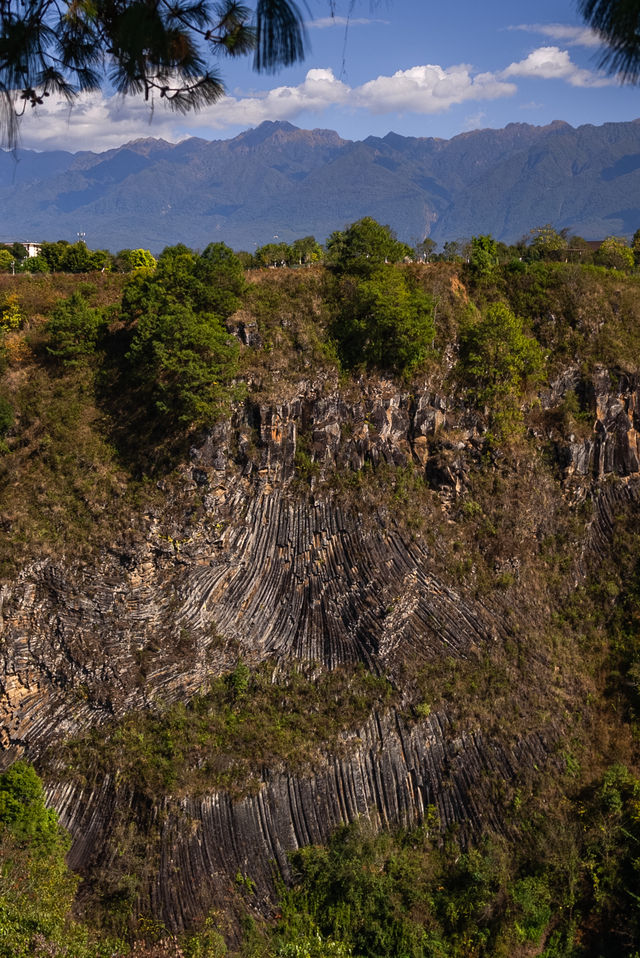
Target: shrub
[[497, 357], [383, 322], [73, 330], [615, 254], [363, 247]]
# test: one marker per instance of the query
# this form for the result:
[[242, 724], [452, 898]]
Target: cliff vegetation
[[319, 607]]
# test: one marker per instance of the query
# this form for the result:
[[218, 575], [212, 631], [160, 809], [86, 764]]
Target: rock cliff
[[254, 554]]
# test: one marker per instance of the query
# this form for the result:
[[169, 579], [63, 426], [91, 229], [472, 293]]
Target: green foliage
[[36, 887], [497, 357], [36, 264], [222, 274], [180, 354], [11, 317], [272, 254], [484, 255], [383, 321], [363, 247], [73, 330], [184, 360], [6, 259], [23, 812], [305, 251], [129, 259], [615, 254], [547, 244], [224, 736]]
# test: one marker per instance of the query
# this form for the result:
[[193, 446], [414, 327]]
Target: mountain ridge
[[278, 179]]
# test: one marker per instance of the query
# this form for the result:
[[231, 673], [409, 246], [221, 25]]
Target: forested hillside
[[319, 605], [283, 181]]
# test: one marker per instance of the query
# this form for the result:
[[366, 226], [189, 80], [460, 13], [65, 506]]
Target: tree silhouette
[[167, 48], [618, 23]]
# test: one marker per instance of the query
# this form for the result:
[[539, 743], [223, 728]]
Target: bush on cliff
[[383, 321], [36, 886], [181, 357], [497, 361], [73, 330], [363, 247]]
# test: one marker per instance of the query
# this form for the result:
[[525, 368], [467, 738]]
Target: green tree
[[305, 251], [615, 254], [635, 246], [23, 811], [73, 330], [76, 258], [186, 361], [129, 259], [10, 314], [18, 251], [497, 357], [484, 255], [273, 254], [222, 275], [452, 250], [37, 888], [548, 244], [180, 354], [363, 247], [383, 321], [36, 264], [54, 253], [6, 259], [426, 249]]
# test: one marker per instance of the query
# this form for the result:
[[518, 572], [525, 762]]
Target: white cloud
[[474, 121], [552, 63], [322, 23], [94, 122], [429, 89], [100, 123], [576, 36], [319, 90]]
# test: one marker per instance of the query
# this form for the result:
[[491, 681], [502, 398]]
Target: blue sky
[[419, 69]]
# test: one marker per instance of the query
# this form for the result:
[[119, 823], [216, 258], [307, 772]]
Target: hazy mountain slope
[[277, 180]]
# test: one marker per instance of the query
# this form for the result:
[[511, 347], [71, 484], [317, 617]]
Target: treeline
[[64, 257], [543, 243], [167, 342]]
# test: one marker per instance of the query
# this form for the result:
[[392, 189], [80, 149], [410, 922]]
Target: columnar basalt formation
[[245, 561]]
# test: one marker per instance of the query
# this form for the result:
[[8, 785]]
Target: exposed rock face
[[246, 562], [392, 776]]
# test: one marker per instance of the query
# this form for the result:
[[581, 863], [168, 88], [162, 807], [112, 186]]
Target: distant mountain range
[[278, 180]]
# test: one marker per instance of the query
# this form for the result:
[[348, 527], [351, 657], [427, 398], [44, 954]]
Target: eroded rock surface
[[247, 562]]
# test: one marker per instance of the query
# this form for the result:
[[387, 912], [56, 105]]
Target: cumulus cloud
[[100, 123], [576, 36], [319, 90], [552, 63], [429, 89], [94, 122]]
